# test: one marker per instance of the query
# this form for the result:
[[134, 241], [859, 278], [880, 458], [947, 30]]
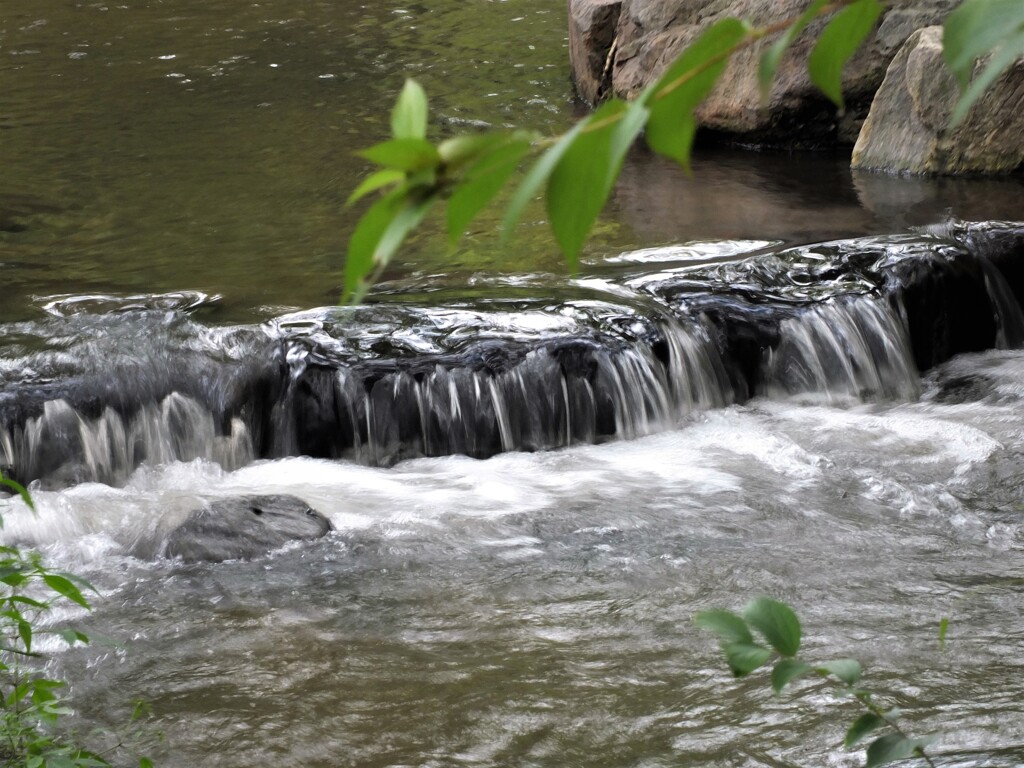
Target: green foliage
[[31, 706], [975, 29], [779, 626]]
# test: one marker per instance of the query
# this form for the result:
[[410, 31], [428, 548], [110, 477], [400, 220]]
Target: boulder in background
[[906, 130]]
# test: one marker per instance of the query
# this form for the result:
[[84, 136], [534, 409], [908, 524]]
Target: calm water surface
[[531, 609]]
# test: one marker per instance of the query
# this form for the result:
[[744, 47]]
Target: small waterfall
[[854, 348], [562, 393], [65, 447], [1006, 310]]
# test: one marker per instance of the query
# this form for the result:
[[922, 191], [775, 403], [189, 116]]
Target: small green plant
[[769, 630], [31, 706], [577, 170]]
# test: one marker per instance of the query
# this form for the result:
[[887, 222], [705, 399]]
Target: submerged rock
[[244, 527], [906, 130]]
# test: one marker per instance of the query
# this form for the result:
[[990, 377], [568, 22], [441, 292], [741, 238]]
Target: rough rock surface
[[244, 527], [649, 34], [905, 132]]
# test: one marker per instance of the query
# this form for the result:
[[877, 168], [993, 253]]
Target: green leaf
[[145, 762], [31, 602], [687, 82], [63, 586], [893, 747], [786, 671], [837, 43], [483, 182], [976, 28], [375, 181], [409, 154], [583, 179], [72, 636], [777, 622], [1008, 53], [770, 59], [379, 234], [729, 627], [25, 633], [862, 726], [847, 670], [409, 117], [20, 490], [943, 631], [13, 577], [744, 658], [535, 177]]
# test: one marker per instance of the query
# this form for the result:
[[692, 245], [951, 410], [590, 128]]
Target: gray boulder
[[906, 130], [642, 37], [244, 527]]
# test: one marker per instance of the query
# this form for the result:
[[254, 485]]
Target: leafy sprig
[[769, 629]]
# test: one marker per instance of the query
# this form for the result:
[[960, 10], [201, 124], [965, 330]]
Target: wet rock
[[591, 33], [906, 130], [244, 527], [649, 34]]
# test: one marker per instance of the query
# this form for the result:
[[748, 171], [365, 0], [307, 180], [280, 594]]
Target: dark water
[[531, 609]]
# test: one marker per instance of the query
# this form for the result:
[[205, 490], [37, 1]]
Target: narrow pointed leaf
[[862, 727], [382, 237], [999, 63], [483, 182], [375, 181], [847, 670], [837, 43], [777, 622], [407, 154], [63, 586], [770, 59], [367, 234], [892, 747], [744, 658], [535, 179], [20, 490], [25, 633], [729, 627], [943, 631], [976, 28], [687, 82], [786, 671], [584, 176], [72, 636], [409, 117]]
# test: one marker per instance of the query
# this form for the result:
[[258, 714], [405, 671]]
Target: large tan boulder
[[644, 36], [907, 128]]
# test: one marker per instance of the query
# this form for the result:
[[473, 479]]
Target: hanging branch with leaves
[[578, 169]]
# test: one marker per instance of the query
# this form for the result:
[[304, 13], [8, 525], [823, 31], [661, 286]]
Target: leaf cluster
[[769, 630]]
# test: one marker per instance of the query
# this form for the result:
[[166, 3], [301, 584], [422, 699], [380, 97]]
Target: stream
[[771, 378]]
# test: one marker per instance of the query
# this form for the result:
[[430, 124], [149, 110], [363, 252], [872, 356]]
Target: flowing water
[[171, 230]]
